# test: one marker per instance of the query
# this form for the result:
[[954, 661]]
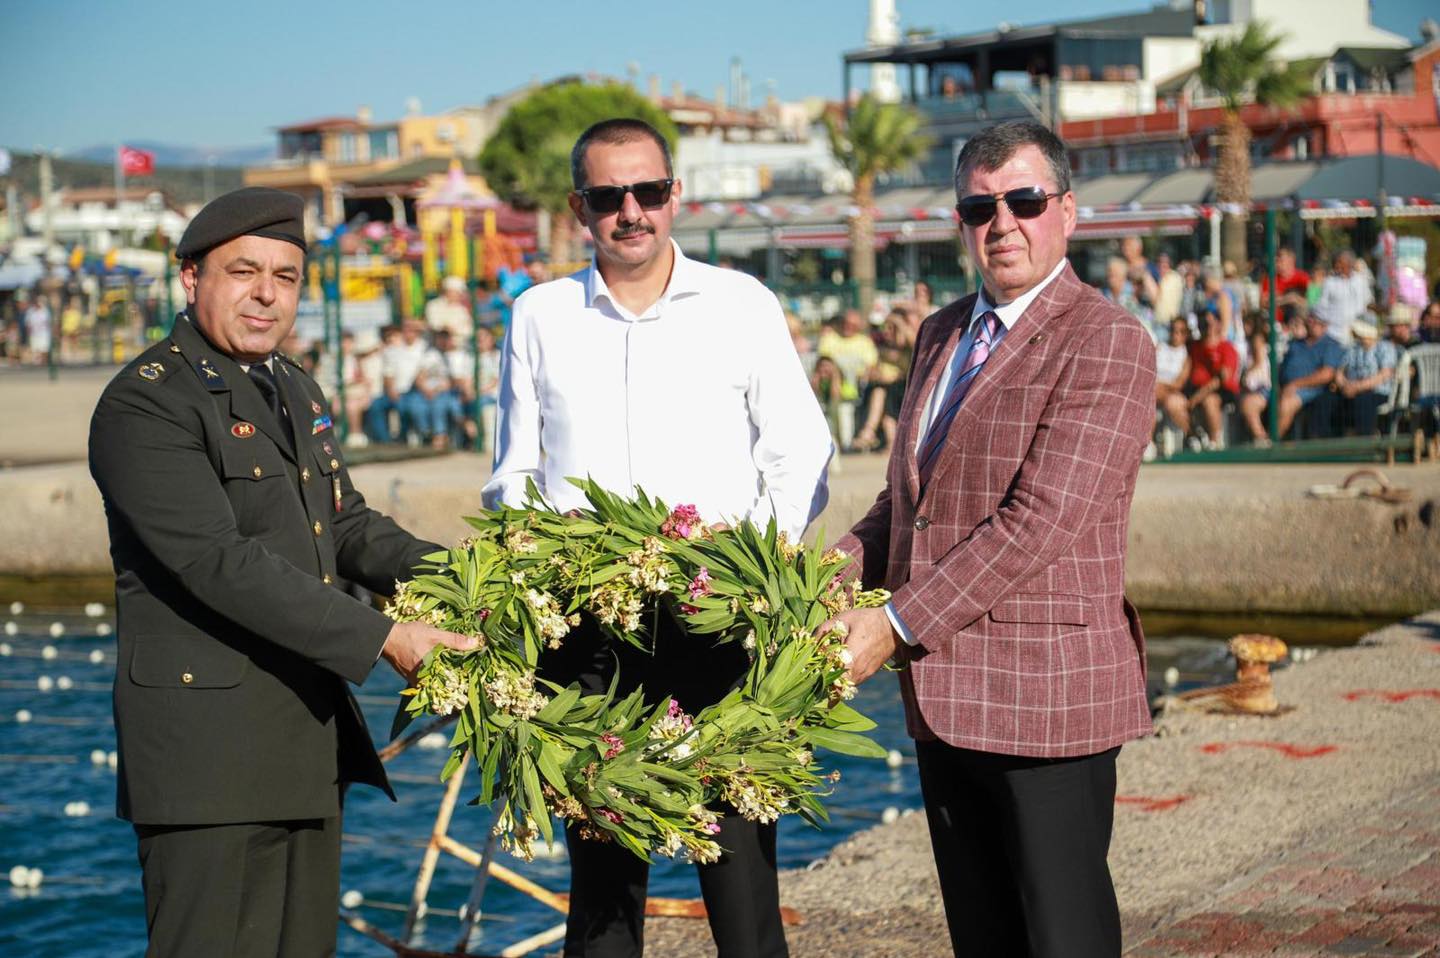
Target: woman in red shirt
[[1214, 376]]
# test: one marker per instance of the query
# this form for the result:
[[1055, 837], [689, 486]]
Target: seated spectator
[[450, 310], [1214, 378], [1430, 322], [434, 402], [885, 388], [1255, 387], [400, 365], [358, 391], [1366, 377], [828, 384], [1121, 291], [477, 405], [1306, 374], [853, 352], [1172, 373], [1214, 298]]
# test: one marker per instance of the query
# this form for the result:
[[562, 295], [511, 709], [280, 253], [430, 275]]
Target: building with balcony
[[1123, 91], [100, 218]]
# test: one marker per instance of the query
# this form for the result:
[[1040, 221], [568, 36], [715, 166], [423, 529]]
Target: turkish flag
[[135, 162]]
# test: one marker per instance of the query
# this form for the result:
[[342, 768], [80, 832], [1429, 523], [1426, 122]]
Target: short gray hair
[[995, 145]]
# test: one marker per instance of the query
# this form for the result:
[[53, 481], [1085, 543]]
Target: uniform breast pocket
[[185, 662], [254, 480]]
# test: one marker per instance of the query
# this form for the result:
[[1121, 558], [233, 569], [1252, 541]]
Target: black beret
[[252, 211]]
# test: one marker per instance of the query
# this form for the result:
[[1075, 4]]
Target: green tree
[[1242, 70], [877, 138], [527, 160]]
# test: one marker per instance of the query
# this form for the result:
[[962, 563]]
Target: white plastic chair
[[1425, 358]]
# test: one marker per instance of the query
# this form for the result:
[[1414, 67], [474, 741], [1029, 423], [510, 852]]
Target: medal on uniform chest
[[335, 483]]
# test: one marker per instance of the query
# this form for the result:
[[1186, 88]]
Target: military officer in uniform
[[231, 517]]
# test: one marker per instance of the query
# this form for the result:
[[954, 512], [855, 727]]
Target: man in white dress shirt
[[649, 369]]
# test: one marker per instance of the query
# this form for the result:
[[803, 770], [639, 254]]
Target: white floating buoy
[[16, 608], [5, 648], [12, 628], [433, 740], [96, 656], [44, 683], [23, 716], [64, 683], [97, 757], [48, 653], [94, 609], [113, 759], [893, 758], [57, 629], [1172, 676], [77, 809], [352, 898], [103, 628], [890, 815], [33, 878], [18, 874]]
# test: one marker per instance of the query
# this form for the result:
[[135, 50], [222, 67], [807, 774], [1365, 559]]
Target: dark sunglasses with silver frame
[[650, 194], [1024, 203]]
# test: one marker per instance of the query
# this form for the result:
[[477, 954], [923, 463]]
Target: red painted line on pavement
[[1146, 804], [1284, 748], [1401, 695]]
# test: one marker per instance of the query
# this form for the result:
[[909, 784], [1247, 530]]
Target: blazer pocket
[[1043, 608], [185, 662], [257, 464]]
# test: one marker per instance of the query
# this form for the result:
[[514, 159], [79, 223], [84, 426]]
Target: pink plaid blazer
[[1009, 566]]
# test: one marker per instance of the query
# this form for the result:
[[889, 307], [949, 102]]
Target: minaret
[[884, 31]]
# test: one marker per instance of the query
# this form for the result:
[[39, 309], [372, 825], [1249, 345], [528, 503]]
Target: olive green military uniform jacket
[[227, 536]]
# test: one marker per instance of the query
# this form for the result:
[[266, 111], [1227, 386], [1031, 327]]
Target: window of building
[[384, 144]]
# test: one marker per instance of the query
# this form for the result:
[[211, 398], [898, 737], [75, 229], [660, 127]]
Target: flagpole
[[119, 193]]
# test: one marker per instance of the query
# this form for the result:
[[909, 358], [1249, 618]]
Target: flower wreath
[[645, 777]]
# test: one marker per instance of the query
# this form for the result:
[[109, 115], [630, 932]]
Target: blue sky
[[76, 73]]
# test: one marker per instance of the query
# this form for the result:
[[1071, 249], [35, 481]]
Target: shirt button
[[187, 678], [305, 474], [326, 579], [922, 523], [318, 528]]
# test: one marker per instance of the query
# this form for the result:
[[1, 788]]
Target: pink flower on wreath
[[682, 523], [689, 609], [700, 585], [712, 827], [615, 743], [615, 817]]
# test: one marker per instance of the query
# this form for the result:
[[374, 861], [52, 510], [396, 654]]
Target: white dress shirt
[[1009, 314], [701, 399], [1343, 300]]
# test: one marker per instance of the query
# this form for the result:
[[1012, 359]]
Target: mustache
[[625, 232]]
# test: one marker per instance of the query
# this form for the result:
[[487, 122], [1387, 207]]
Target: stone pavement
[[1371, 890]]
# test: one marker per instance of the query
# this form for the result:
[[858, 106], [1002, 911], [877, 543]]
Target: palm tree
[[876, 139], [1241, 70]]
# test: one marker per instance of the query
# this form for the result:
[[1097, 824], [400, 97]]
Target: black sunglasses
[[1025, 203], [651, 194]]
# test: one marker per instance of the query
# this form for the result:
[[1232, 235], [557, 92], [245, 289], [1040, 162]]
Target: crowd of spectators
[[1339, 352]]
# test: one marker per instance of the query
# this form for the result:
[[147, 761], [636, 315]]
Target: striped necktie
[[984, 341]]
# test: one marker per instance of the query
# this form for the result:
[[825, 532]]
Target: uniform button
[[334, 463], [187, 678], [259, 472], [305, 474], [318, 528], [922, 523], [326, 579]]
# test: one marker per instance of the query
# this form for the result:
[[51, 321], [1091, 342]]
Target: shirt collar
[[1011, 312], [684, 281]]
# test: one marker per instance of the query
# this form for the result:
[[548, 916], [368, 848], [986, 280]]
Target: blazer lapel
[[1007, 359], [947, 336], [221, 374], [295, 401]]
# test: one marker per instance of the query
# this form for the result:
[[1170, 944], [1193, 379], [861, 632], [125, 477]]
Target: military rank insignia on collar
[[209, 375]]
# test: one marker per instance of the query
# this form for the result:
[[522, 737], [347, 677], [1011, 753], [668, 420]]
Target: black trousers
[[608, 884], [1020, 845], [259, 890]]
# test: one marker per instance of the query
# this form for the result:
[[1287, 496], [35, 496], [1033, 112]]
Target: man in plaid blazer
[[1001, 532]]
